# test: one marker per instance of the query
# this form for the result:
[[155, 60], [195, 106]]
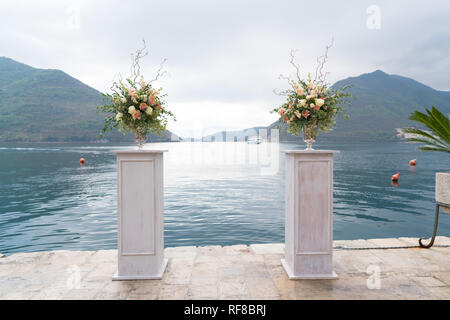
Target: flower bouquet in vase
[[135, 105], [311, 104]]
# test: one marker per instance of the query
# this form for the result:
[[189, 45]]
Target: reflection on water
[[215, 194]]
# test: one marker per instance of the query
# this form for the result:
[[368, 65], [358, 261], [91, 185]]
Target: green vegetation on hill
[[49, 105], [380, 104]]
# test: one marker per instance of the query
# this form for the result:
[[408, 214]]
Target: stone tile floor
[[236, 272]]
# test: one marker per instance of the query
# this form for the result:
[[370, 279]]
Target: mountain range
[[45, 105], [380, 104]]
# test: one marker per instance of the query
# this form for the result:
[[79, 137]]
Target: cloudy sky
[[224, 57]]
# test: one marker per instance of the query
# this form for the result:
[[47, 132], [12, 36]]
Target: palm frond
[[439, 125], [428, 142], [422, 133], [429, 122], [443, 121], [434, 149]]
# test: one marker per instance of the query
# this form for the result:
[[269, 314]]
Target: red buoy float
[[81, 161], [412, 162], [395, 176]]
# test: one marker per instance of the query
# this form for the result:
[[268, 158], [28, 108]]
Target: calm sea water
[[215, 194]]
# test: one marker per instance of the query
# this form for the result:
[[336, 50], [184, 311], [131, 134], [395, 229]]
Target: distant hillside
[[380, 103], [238, 135], [49, 105]]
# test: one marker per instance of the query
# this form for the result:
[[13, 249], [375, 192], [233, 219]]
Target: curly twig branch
[[160, 71], [320, 76], [113, 86], [135, 66], [295, 65], [280, 93], [282, 77]]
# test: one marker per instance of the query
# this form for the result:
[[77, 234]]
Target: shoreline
[[355, 244]]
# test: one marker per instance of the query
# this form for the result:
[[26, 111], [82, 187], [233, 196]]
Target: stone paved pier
[[236, 272]]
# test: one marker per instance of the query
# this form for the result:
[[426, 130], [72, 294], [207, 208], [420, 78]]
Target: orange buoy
[[395, 176], [81, 161], [412, 162]]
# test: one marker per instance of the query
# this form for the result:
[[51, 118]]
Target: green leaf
[[438, 123], [421, 133]]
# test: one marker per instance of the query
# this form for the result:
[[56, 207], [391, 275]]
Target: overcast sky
[[224, 57]]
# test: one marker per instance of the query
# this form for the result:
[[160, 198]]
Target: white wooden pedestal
[[309, 214], [140, 200]]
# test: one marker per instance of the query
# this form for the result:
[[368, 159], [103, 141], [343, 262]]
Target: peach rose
[[298, 114], [300, 91], [143, 106], [132, 93], [281, 111], [151, 100], [137, 115], [305, 113], [316, 107]]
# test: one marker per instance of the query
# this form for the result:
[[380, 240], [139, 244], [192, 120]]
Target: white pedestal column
[[309, 214], [140, 200]]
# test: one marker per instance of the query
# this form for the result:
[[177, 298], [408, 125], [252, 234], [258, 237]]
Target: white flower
[[123, 100], [319, 102], [149, 110], [119, 116], [131, 110], [311, 105], [302, 102]]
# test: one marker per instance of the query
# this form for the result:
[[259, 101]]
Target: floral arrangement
[[311, 103], [136, 106]]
